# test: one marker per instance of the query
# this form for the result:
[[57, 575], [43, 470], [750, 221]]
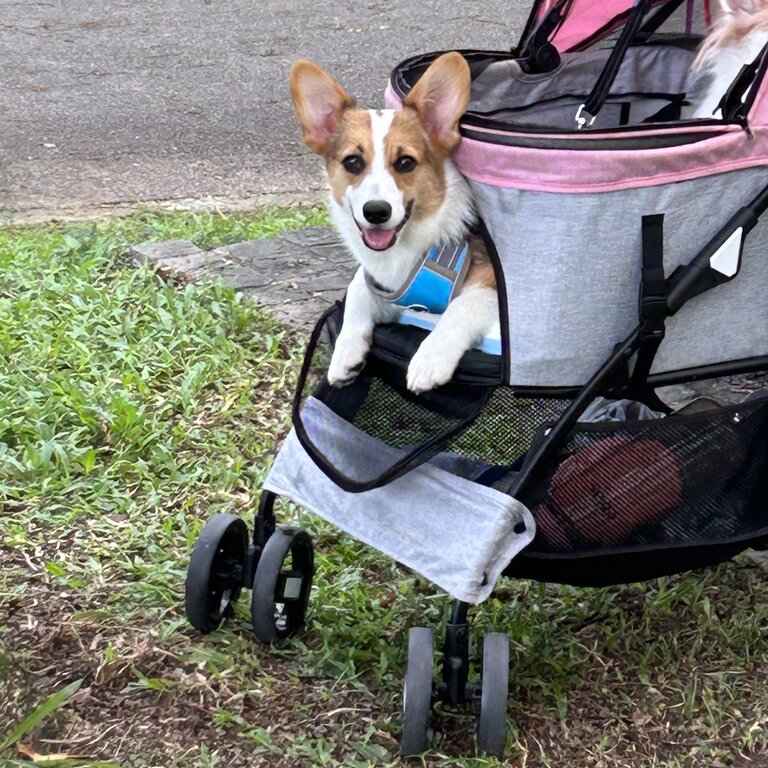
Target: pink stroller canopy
[[585, 20]]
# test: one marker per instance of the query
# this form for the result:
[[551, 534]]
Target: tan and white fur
[[395, 192], [737, 37]]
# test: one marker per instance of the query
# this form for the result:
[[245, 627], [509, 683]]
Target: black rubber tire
[[492, 729], [215, 573], [273, 616], [417, 692]]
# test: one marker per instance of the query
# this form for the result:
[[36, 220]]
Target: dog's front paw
[[431, 367], [347, 361]]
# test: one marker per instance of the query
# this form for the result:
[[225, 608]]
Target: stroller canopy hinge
[[539, 55]]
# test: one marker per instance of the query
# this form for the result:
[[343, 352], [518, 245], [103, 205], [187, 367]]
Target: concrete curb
[[297, 275]]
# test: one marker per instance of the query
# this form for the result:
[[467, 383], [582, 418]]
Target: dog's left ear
[[441, 97], [319, 102]]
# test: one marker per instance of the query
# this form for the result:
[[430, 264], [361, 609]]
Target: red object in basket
[[605, 491]]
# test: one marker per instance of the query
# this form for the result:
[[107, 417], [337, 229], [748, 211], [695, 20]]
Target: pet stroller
[[630, 255]]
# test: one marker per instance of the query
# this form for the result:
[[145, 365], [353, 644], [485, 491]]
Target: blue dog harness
[[434, 281]]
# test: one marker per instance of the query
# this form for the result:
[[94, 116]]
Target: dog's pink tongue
[[379, 239]]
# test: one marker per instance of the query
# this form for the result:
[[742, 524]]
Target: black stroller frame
[[277, 563]]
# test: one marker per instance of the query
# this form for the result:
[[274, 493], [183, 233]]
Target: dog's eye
[[405, 164], [353, 164]]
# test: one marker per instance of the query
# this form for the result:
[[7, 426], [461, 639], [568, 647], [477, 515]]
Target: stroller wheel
[[215, 572], [417, 692], [492, 730], [281, 585]]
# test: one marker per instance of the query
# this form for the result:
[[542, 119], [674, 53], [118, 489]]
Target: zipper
[[473, 120], [638, 142], [480, 120], [477, 120]]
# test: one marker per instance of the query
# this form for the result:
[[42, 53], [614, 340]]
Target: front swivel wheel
[[282, 584], [215, 572]]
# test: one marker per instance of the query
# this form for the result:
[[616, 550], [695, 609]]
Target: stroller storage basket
[[679, 481]]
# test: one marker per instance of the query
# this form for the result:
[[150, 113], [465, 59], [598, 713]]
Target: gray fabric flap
[[456, 533]]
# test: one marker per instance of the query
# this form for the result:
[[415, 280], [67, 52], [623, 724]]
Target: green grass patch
[[132, 410]]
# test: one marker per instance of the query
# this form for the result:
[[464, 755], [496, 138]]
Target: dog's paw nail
[[418, 386], [425, 373], [345, 376], [346, 365], [345, 379]]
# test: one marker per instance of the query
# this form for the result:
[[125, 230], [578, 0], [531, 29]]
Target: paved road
[[104, 103]]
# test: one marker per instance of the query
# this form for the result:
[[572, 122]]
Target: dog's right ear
[[319, 102]]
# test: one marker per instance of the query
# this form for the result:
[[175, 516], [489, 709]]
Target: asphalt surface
[[105, 103]]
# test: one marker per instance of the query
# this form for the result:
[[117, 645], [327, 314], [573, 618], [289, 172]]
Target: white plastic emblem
[[725, 259]]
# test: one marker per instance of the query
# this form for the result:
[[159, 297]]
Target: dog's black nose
[[377, 211]]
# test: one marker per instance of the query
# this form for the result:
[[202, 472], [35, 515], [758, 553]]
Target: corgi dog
[[395, 194], [737, 37]]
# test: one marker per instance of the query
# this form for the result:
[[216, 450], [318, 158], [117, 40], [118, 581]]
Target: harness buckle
[[653, 313], [584, 118]]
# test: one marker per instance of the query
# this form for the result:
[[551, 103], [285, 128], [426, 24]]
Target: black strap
[[661, 15], [653, 297], [589, 110]]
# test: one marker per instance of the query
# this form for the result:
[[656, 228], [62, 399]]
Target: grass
[[131, 411]]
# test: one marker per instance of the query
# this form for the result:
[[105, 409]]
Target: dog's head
[[386, 168]]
